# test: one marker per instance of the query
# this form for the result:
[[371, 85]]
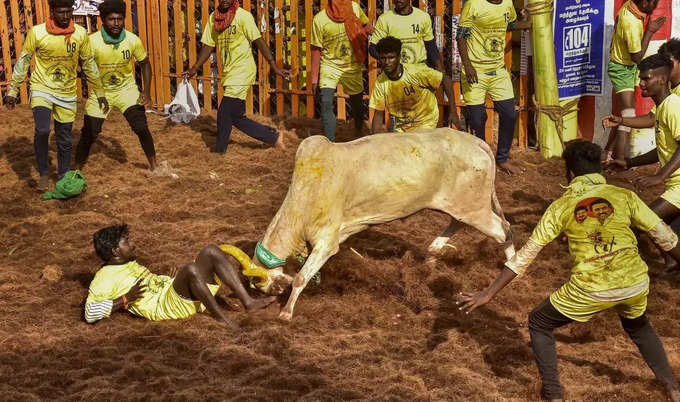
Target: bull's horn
[[248, 267]]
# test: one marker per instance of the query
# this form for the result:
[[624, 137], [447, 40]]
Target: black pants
[[92, 127], [42, 118], [545, 318], [232, 113], [506, 125]]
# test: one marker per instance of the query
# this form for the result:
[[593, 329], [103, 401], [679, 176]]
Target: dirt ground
[[381, 325]]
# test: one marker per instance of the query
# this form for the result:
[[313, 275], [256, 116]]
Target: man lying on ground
[[608, 271], [124, 283]]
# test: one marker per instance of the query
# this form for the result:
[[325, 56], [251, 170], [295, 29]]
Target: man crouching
[[123, 283]]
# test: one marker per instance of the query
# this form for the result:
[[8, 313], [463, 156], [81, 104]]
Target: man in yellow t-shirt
[[122, 283], [407, 91], [665, 116], [481, 42], [413, 27], [58, 45], [335, 61], [629, 45], [113, 48], [231, 30], [608, 271]]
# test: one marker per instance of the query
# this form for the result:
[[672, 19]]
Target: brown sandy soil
[[382, 324]]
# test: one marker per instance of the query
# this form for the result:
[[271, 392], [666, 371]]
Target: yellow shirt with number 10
[[115, 66]]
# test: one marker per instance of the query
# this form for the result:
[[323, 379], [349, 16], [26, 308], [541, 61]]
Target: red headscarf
[[223, 20], [341, 11], [56, 30]]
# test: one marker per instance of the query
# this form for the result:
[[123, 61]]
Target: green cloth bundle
[[72, 184]]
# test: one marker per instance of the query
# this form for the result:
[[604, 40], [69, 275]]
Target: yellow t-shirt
[[413, 30], [596, 217], [234, 48], [627, 36], [56, 61], [410, 99], [667, 130], [673, 89], [115, 67], [331, 37], [488, 24]]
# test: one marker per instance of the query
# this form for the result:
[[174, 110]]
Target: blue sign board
[[579, 47]]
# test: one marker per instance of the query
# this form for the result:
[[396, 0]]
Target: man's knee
[[327, 95], [506, 108], [192, 271], [211, 250], [136, 117], [632, 325], [42, 118], [92, 126]]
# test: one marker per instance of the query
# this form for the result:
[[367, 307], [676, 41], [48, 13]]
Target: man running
[[481, 41], [232, 30], [407, 91], [339, 37], [628, 47], [608, 271], [413, 27], [58, 45], [125, 284], [113, 47]]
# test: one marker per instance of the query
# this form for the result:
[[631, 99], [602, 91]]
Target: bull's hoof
[[285, 316]]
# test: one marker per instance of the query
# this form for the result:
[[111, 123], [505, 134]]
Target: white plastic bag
[[184, 107]]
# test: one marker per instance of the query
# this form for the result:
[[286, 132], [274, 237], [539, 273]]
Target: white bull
[[339, 189]]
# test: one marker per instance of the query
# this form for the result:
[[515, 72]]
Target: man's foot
[[256, 304], [280, 144], [673, 394], [43, 183], [509, 168], [229, 324]]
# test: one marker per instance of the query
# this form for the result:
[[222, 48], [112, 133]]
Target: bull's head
[[271, 281]]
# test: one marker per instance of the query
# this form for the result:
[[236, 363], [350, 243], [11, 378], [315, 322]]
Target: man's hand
[[190, 72], [469, 302], [283, 73], [648, 181], [11, 101], [616, 164], [656, 24], [611, 121], [454, 120], [135, 292], [471, 74], [144, 99], [103, 104]]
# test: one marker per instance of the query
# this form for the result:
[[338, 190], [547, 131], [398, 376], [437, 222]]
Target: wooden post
[[141, 26], [249, 98], [207, 71], [178, 21], [128, 15], [456, 9], [372, 63], [279, 32], [263, 66], [438, 19], [4, 41], [294, 57], [165, 54], [309, 15], [28, 13], [18, 43], [191, 31]]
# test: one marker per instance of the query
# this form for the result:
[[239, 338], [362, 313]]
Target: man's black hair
[[107, 239], [671, 48], [580, 207], [60, 3], [582, 157], [388, 44], [656, 61], [601, 201], [111, 6]]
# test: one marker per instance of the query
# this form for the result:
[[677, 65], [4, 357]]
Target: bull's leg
[[438, 243], [320, 254], [495, 227]]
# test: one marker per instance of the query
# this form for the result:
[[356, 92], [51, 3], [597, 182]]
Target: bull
[[339, 189]]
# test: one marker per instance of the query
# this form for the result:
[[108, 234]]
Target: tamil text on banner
[[579, 47]]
